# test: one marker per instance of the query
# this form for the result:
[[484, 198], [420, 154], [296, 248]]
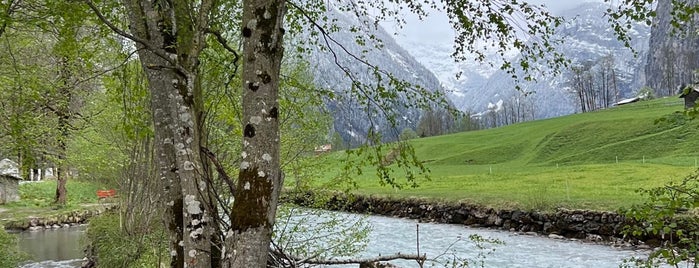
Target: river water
[[517, 251], [62, 247], [53, 248]]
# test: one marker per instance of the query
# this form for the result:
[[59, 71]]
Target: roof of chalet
[[627, 101], [9, 169]]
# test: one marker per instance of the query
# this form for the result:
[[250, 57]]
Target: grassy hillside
[[593, 160]]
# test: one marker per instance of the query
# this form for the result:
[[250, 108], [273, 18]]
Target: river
[[53, 248], [62, 247]]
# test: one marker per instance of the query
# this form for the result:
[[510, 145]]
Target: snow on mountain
[[588, 37], [352, 120]]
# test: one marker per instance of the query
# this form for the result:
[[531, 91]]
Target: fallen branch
[[397, 256]]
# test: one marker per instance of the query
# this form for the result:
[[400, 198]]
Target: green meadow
[[593, 160]]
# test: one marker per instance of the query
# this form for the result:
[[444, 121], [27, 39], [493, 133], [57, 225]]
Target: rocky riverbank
[[596, 226], [59, 220]]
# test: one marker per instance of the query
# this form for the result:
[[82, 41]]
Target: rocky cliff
[[672, 54], [341, 66]]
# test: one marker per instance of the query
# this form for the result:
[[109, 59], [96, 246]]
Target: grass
[[37, 199], [584, 161], [41, 194]]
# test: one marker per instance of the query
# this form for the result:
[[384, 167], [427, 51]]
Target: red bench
[[106, 193]]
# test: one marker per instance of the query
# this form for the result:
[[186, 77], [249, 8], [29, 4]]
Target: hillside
[[627, 132], [594, 160]]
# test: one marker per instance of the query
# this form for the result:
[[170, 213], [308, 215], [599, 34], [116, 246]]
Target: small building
[[9, 181], [627, 101], [689, 94], [323, 148]]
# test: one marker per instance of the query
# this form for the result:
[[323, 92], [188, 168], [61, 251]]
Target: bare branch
[[409, 87], [219, 168], [106, 70], [136, 39], [397, 256], [221, 40]]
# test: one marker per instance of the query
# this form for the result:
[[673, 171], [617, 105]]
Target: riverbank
[[48, 219], [36, 210], [587, 225]]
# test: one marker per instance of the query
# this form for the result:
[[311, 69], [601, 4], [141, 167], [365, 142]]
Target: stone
[[9, 168], [555, 236], [594, 238], [9, 181]]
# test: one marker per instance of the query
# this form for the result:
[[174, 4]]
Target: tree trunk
[[260, 178], [62, 111], [61, 180], [171, 70]]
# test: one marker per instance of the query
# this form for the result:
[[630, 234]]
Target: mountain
[[352, 119], [588, 38], [672, 57]]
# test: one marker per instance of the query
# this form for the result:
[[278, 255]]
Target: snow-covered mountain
[[352, 120], [587, 38], [481, 87]]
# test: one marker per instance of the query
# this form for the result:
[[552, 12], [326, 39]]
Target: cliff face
[[672, 56], [352, 119]]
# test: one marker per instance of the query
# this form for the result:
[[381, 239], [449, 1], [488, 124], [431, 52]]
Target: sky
[[560, 5], [430, 40], [436, 27]]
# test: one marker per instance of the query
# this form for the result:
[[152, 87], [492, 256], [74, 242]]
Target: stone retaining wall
[[66, 219], [579, 224]]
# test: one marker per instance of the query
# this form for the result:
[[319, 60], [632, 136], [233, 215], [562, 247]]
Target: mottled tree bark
[[169, 48], [260, 178]]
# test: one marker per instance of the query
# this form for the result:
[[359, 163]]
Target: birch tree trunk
[[260, 178]]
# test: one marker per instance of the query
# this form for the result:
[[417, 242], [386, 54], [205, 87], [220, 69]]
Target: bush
[[670, 215], [113, 247], [10, 254], [408, 134], [646, 93]]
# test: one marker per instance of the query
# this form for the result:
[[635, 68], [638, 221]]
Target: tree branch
[[11, 6], [126, 35], [219, 168], [221, 40], [397, 256]]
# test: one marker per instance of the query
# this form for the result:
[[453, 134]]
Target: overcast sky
[[436, 27], [560, 5]]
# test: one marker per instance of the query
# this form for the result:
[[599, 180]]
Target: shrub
[[408, 134], [113, 247], [646, 93], [10, 254], [669, 213]]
